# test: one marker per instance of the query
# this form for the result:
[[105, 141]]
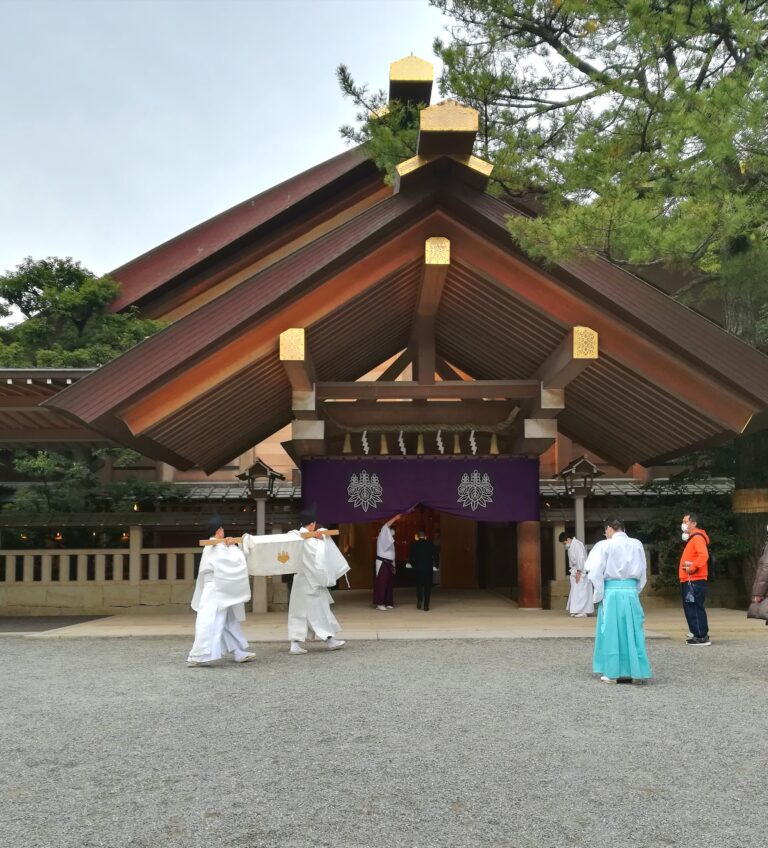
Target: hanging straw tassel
[[383, 446], [420, 444], [456, 443], [494, 445], [347, 444]]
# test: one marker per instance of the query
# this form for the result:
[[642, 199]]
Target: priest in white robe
[[616, 568], [309, 606], [579, 603], [221, 591], [384, 574]]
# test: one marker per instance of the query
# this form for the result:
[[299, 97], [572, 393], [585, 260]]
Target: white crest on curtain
[[364, 491], [475, 490]]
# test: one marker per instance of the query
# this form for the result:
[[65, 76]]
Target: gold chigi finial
[[410, 79]]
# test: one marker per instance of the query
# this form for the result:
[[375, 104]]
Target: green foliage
[[67, 319], [638, 130], [64, 484], [389, 132]]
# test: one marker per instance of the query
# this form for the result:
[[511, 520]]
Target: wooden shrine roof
[[211, 384], [24, 423]]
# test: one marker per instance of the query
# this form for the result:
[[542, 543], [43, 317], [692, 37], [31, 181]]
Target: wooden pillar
[[529, 565], [259, 591], [135, 542], [561, 555]]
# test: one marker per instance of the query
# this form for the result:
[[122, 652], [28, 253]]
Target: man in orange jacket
[[693, 573]]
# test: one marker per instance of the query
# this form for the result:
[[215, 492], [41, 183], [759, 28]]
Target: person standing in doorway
[[384, 577], [579, 603], [616, 567], [693, 574], [422, 557]]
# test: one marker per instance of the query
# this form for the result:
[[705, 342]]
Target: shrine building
[[410, 358]]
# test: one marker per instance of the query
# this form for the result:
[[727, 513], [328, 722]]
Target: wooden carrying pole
[[239, 539]]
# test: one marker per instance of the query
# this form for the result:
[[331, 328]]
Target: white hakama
[[309, 607], [580, 597], [221, 591]]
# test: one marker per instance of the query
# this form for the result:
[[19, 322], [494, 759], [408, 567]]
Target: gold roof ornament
[[437, 251], [584, 343], [447, 127], [410, 79], [465, 167]]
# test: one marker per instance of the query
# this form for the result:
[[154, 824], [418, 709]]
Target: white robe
[[580, 596], [309, 606], [221, 590], [617, 558], [385, 547]]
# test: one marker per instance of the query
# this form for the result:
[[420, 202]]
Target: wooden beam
[[296, 360], [550, 403], [423, 347], [410, 390], [574, 353], [300, 370], [536, 435], [437, 259], [298, 448], [432, 413]]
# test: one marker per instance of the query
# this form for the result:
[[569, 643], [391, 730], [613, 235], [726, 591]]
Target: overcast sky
[[125, 122]]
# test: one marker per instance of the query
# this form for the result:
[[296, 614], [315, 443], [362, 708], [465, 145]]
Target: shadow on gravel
[[41, 623]]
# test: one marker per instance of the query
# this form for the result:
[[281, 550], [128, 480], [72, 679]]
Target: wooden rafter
[[445, 370], [396, 367]]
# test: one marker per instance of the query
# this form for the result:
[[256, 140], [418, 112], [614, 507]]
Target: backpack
[[712, 561]]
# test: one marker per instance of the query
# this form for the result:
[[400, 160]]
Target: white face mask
[[684, 527], [567, 545]]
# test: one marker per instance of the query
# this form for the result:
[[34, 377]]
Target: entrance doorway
[[457, 541]]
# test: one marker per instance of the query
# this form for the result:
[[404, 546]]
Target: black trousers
[[423, 589]]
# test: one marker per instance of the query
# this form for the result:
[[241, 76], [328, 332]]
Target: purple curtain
[[503, 488]]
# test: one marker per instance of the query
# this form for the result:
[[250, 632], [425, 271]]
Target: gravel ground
[[116, 743]]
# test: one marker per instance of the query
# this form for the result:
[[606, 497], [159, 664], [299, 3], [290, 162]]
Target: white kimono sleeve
[[577, 555], [639, 565], [595, 566]]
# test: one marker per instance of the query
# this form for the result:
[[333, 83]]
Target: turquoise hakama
[[619, 637]]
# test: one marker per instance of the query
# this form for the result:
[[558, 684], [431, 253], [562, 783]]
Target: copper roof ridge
[[292, 190]]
